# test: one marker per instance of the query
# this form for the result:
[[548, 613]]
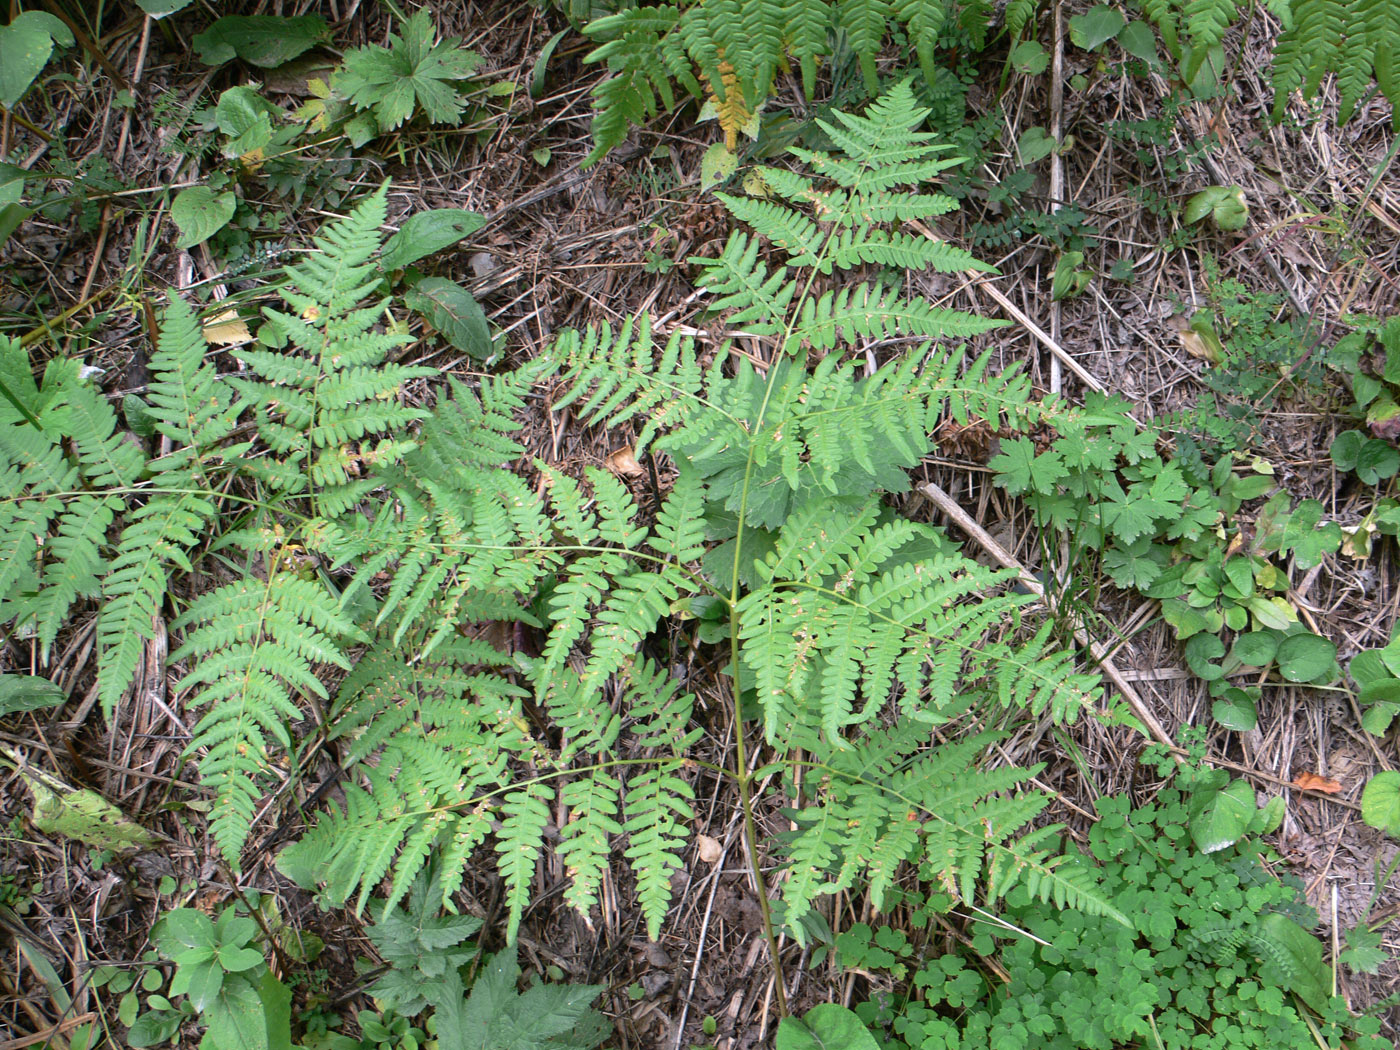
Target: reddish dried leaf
[[1313, 782]]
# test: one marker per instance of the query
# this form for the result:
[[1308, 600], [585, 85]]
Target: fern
[[841, 614], [1355, 39], [324, 385], [254, 645], [719, 49], [196, 413], [63, 463]]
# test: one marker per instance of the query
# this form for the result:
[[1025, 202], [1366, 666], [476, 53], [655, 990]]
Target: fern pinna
[[851, 630]]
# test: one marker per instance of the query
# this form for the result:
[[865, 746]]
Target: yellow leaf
[[227, 329]]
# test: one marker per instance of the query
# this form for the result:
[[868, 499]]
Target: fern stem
[[745, 779]]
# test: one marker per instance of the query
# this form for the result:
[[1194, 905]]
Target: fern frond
[[657, 805], [252, 646], [1355, 39], [331, 387], [525, 814], [75, 563], [621, 379], [105, 456], [585, 838]]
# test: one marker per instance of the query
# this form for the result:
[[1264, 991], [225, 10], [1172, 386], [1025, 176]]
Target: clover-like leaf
[[1225, 205]]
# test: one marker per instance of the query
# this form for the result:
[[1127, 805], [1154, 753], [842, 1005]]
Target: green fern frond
[[585, 840], [1206, 22], [331, 387], [524, 816], [622, 379], [106, 458], [1017, 14], [74, 563], [253, 646], [658, 806]]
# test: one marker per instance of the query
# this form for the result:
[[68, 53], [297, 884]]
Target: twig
[[964, 521]]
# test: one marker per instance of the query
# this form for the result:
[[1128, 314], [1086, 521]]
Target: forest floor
[[565, 246]]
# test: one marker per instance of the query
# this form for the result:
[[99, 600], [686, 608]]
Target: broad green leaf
[[1225, 205], [828, 1026], [1304, 971], [1272, 612], [238, 1019], [25, 46], [450, 309], [1200, 651], [246, 118], [236, 960], [161, 8], [1096, 27], [1030, 58], [19, 692], [1346, 447], [1221, 818], [83, 815], [1256, 648], [260, 40], [1377, 717], [428, 232], [1306, 657], [1139, 41], [1380, 802], [1035, 144], [182, 928], [154, 1027], [716, 165], [200, 213], [1372, 665], [1189, 621], [1235, 710], [1376, 461]]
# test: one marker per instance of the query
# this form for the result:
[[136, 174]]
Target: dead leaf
[[624, 463], [709, 849], [1313, 782], [227, 329]]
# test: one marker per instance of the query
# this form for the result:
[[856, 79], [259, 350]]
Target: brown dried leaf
[[624, 463], [1313, 782]]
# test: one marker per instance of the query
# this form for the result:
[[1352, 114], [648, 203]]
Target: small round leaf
[[1380, 802], [1306, 657]]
